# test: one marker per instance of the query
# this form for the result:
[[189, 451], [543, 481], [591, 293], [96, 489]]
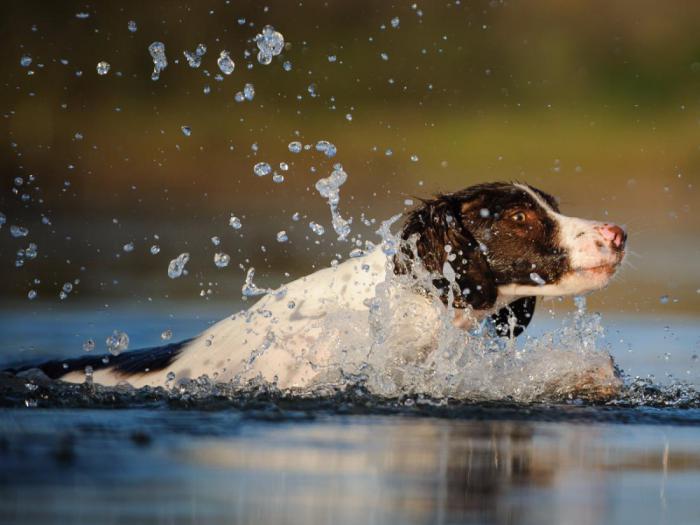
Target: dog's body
[[489, 250]]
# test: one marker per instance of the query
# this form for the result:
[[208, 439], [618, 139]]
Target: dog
[[488, 250]]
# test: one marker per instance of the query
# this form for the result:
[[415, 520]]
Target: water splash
[[250, 289]]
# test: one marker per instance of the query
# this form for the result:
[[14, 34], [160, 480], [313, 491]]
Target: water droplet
[[117, 342], [166, 335], [131, 26], [295, 147], [170, 377], [160, 62], [222, 260], [103, 68], [194, 59], [327, 148], [235, 223], [284, 166], [186, 130], [31, 295], [664, 299], [155, 249], [395, 22], [291, 305], [384, 56], [262, 168], [67, 287], [249, 91], [25, 61], [332, 58], [537, 279], [215, 240], [225, 63], [414, 158], [3, 219], [89, 345], [18, 231], [317, 228], [282, 236], [270, 44], [277, 178], [177, 266], [128, 247], [287, 66], [82, 15]]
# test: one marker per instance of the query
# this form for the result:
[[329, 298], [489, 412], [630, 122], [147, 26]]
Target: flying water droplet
[[31, 295], [222, 260], [395, 22], [18, 231], [327, 148], [103, 68], [128, 247], [329, 188], [295, 147], [249, 91], [186, 130], [282, 236], [25, 61], [89, 345], [117, 342], [262, 168], [177, 266], [235, 223], [155, 249], [225, 63], [270, 44], [131, 26], [317, 228], [194, 59], [166, 335], [160, 62]]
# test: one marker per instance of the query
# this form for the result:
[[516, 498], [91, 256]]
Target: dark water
[[93, 455]]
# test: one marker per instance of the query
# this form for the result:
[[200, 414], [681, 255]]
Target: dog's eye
[[518, 217]]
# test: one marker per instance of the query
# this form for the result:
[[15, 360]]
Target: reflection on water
[[191, 467]]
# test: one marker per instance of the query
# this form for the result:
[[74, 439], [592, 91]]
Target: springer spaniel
[[488, 251]]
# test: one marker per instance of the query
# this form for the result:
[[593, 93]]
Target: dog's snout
[[613, 234]]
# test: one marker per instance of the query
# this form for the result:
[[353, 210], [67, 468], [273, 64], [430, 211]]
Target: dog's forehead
[[499, 197]]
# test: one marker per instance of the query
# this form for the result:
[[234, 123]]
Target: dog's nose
[[614, 234]]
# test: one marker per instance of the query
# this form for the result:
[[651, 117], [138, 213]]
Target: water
[[201, 453]]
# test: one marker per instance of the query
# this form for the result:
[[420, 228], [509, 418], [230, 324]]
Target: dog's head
[[509, 240]]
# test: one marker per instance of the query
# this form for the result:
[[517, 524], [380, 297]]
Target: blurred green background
[[597, 102]]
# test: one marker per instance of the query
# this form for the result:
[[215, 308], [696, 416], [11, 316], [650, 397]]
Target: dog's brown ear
[[440, 236]]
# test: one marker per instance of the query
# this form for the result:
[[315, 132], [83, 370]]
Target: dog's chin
[[574, 282]]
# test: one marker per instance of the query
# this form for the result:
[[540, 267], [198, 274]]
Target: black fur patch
[[521, 311], [129, 363]]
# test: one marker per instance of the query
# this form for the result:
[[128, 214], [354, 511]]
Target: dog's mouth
[[607, 268]]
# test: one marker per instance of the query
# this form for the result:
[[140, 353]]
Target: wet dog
[[490, 250]]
